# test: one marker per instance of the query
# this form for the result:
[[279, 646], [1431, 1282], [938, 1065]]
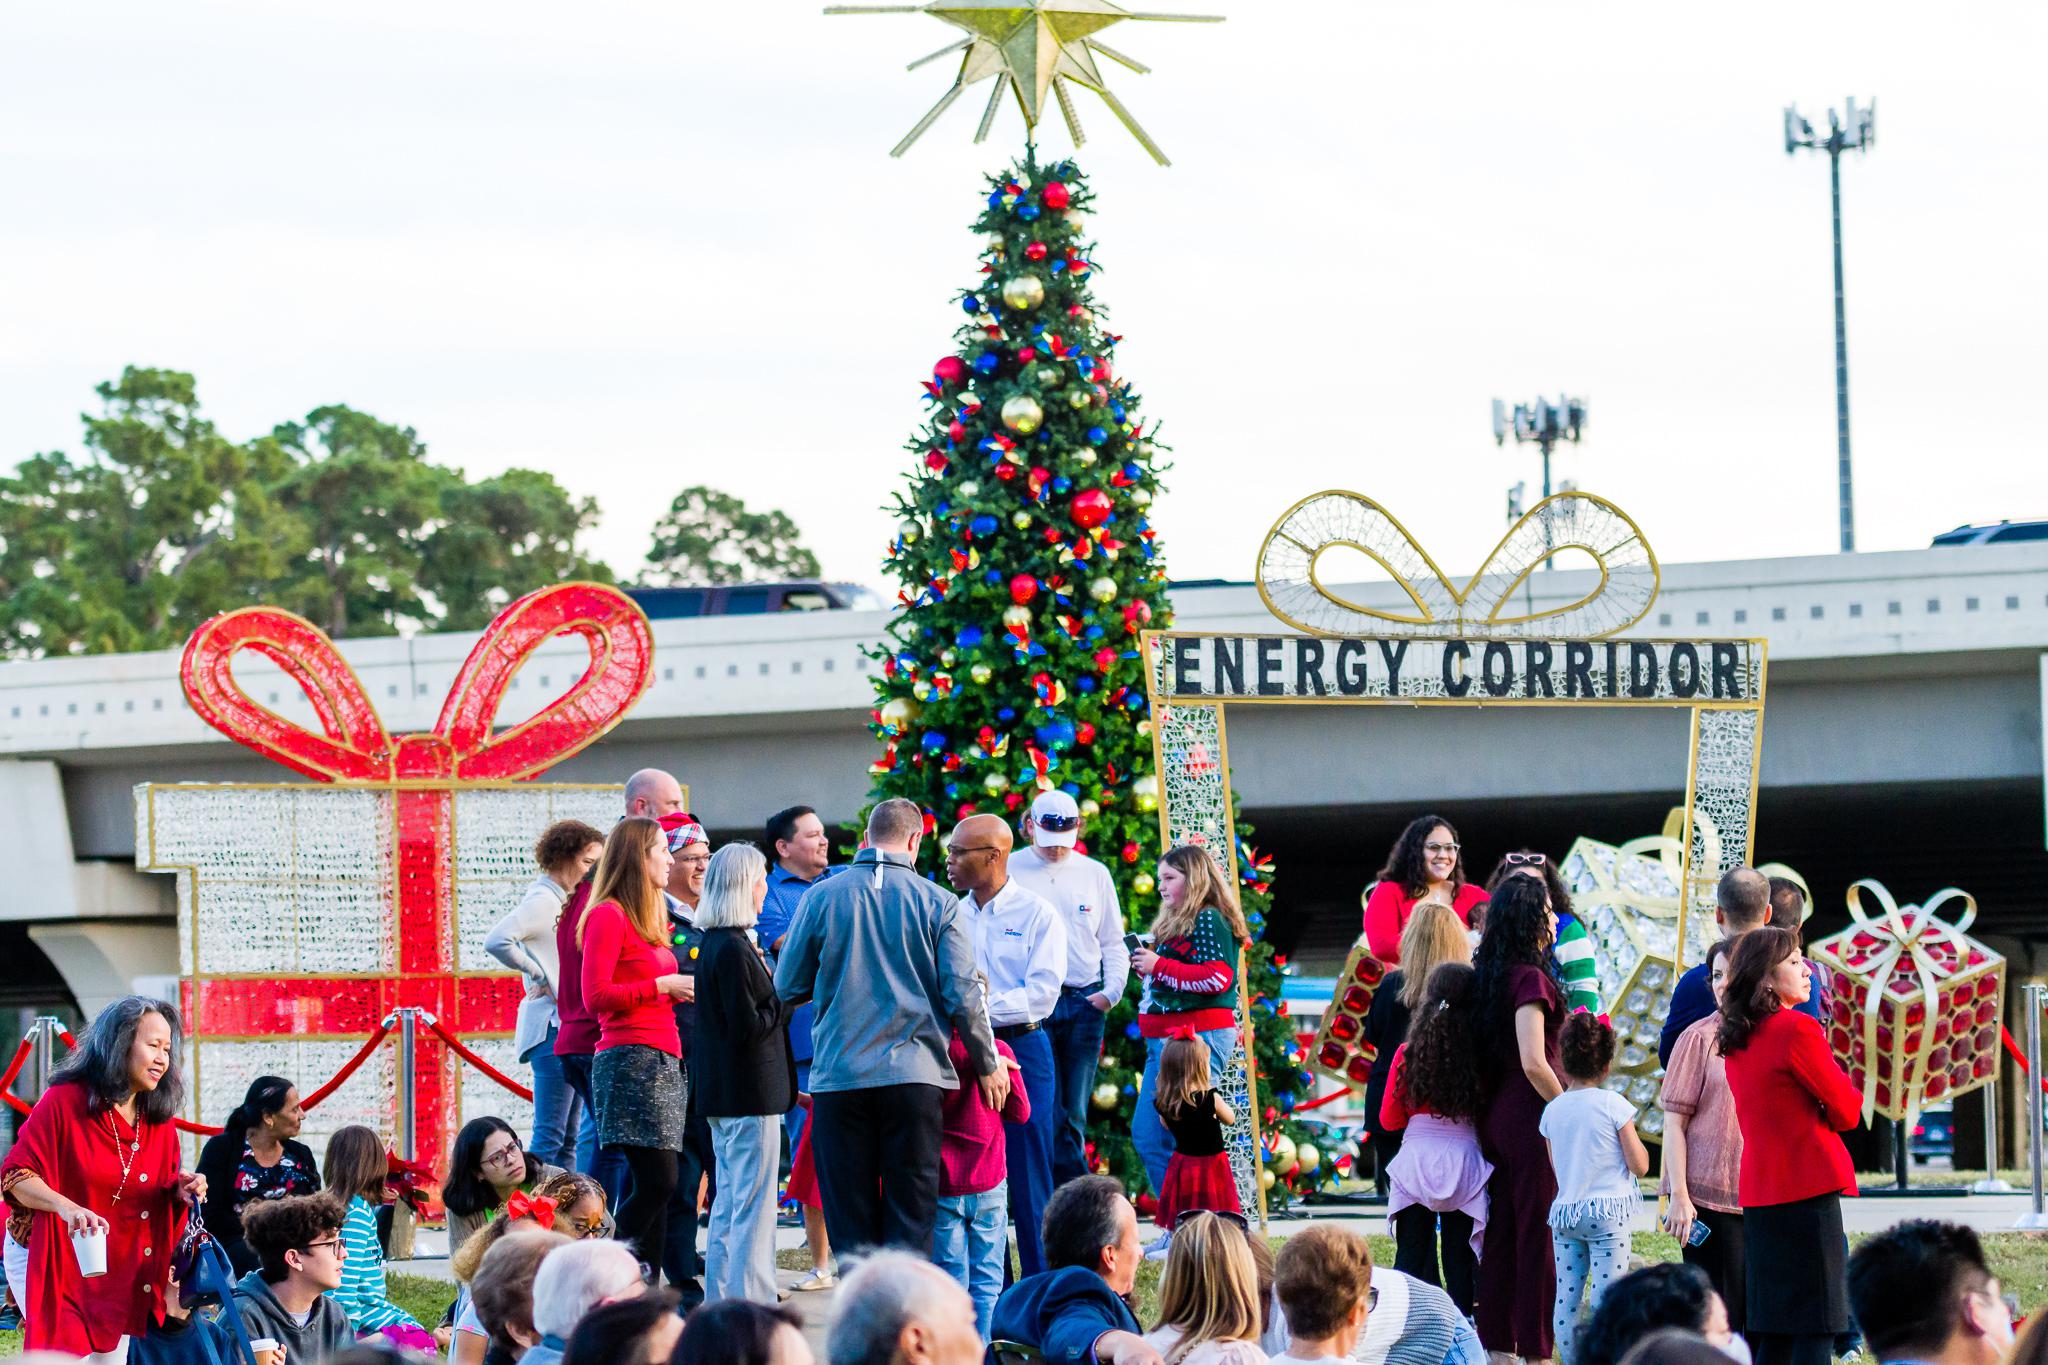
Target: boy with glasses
[[1922, 1292], [299, 1259]]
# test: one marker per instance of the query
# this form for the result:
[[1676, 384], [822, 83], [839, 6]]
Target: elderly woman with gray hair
[[95, 1167], [742, 1073]]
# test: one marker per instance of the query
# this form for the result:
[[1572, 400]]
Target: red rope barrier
[[1321, 1100], [14, 1067], [2005, 1036], [349, 1067], [461, 1050]]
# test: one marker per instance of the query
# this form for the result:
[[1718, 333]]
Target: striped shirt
[[362, 1290], [1575, 965]]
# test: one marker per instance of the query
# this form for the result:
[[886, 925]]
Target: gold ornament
[[1085, 455], [901, 713], [1283, 1154], [921, 689], [1266, 1179], [981, 673], [1079, 398], [1023, 292], [970, 489], [1146, 450], [1016, 616], [1089, 809], [1309, 1157], [1030, 47], [1047, 376], [1142, 497], [994, 243], [947, 658], [1143, 884], [1021, 520], [1022, 414], [1103, 590], [910, 532], [996, 783], [1145, 793], [1105, 1096]]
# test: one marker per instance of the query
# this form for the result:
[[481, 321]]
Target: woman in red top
[[1791, 1101], [630, 985], [1423, 865], [98, 1154]]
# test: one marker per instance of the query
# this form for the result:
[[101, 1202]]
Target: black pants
[[680, 1263], [877, 1155], [1384, 1147], [1776, 1348], [1721, 1257], [641, 1217], [1415, 1252]]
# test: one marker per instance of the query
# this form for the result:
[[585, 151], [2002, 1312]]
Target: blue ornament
[[1085, 683], [1007, 714], [1287, 1104], [994, 578], [1116, 410], [995, 199], [1136, 701], [1056, 734], [1132, 472], [969, 637], [1061, 483], [1095, 632], [972, 304], [1096, 436], [1130, 1030], [1027, 210], [987, 362], [932, 741], [982, 525], [1072, 789]]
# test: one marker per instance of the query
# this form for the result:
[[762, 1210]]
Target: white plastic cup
[[265, 1344], [91, 1250]]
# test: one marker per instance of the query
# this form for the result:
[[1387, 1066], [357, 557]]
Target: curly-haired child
[[1597, 1154], [1439, 1175]]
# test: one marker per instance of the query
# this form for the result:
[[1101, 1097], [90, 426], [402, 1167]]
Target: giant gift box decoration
[[1340, 1050], [1916, 1011], [308, 913]]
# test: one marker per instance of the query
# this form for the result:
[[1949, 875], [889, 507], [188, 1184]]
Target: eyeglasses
[[504, 1155], [585, 1228], [335, 1242], [1439, 848], [697, 858], [1236, 1220], [953, 853], [1521, 859]]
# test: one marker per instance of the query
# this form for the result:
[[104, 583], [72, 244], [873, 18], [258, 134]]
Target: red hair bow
[[539, 1208], [1182, 1032], [1602, 1017]]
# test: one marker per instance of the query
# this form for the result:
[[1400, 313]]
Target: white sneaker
[[817, 1279], [1159, 1247]]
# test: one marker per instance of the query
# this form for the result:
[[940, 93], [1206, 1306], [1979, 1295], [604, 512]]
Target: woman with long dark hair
[[1425, 864], [1572, 952], [485, 1166], [255, 1156], [98, 1156], [1435, 935], [1521, 1010], [631, 986], [1792, 1101]]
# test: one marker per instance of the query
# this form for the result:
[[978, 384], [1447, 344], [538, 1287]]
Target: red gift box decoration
[[1339, 1049]]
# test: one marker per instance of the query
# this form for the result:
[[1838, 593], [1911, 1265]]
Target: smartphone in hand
[[1133, 942]]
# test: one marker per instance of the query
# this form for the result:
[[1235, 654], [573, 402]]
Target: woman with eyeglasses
[[484, 1168], [1425, 864], [1572, 951], [355, 1171]]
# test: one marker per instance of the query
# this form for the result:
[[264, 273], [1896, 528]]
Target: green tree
[[710, 537], [1028, 567], [501, 539]]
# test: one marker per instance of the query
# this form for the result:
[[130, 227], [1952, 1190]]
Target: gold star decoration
[[1030, 47]]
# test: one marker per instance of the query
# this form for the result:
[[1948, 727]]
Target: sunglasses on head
[[1524, 860], [1237, 1220], [1058, 824]]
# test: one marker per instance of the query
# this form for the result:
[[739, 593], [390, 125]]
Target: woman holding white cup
[[93, 1184]]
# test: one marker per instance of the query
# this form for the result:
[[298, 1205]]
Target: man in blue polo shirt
[[798, 850]]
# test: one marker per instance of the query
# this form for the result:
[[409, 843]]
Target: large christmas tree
[[1028, 568]]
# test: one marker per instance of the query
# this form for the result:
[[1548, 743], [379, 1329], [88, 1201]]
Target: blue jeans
[[605, 1165], [971, 1243], [793, 1121], [1027, 1147], [1075, 1031], [557, 1110], [1148, 1133]]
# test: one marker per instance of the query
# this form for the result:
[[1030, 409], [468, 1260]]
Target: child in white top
[[1597, 1154]]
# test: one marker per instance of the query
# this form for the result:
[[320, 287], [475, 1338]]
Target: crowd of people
[[919, 1059]]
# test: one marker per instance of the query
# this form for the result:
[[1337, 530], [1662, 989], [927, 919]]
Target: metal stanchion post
[[43, 1059], [408, 1041], [1993, 1182], [2035, 1217]]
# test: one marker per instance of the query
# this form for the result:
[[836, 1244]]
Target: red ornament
[[1006, 471], [966, 809], [956, 430], [950, 370], [1130, 853], [1055, 196], [1084, 733], [1104, 659], [1089, 509], [1023, 588], [935, 460], [1035, 251]]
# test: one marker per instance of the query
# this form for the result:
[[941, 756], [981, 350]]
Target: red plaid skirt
[[1197, 1182]]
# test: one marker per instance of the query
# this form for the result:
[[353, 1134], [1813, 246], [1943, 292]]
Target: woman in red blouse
[[630, 985], [1791, 1101], [1424, 865], [98, 1154]]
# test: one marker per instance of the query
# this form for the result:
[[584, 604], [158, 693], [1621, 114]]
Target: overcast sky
[[644, 245]]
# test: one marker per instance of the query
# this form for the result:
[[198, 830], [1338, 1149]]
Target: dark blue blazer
[[1061, 1312], [1692, 1000]]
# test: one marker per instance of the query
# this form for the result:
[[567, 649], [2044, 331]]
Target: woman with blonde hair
[[630, 984], [1433, 936], [1190, 970], [1209, 1310]]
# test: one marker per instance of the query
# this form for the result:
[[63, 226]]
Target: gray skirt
[[641, 1097]]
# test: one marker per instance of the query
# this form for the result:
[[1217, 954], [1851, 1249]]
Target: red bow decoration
[[411, 1179], [1602, 1016], [539, 1208], [1181, 1032]]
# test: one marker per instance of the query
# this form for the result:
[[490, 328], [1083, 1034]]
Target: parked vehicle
[[1934, 1134], [1994, 533], [754, 599]]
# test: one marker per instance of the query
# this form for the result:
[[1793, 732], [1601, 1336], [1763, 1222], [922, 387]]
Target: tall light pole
[[1543, 422], [1853, 130]]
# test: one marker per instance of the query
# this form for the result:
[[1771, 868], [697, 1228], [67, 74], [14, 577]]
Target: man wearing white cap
[[1098, 963]]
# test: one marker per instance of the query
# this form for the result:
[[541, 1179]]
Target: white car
[[1995, 533]]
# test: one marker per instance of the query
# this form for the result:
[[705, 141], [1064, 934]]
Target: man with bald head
[[1742, 902], [653, 793], [1020, 945]]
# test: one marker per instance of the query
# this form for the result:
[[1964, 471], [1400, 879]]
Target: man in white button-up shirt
[[1020, 945]]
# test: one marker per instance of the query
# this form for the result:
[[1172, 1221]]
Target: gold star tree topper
[[1030, 47]]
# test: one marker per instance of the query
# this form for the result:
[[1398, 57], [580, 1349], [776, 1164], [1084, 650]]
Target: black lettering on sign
[[1613, 667], [1498, 681], [1269, 667], [1391, 654], [1536, 669], [1308, 668], [1230, 667], [1351, 668], [1642, 671], [1725, 687], [1456, 683], [1578, 669], [1187, 661], [1685, 671]]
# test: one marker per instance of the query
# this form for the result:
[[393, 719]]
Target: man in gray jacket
[[882, 952], [298, 1250]]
